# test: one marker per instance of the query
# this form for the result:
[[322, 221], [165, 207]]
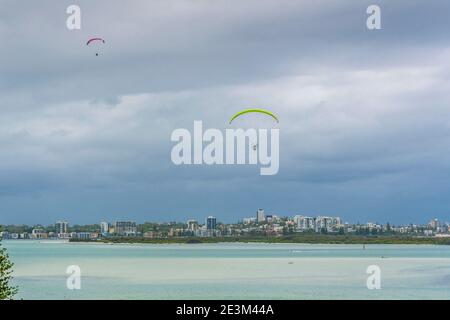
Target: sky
[[364, 114]]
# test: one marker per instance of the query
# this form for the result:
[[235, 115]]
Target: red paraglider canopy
[[95, 39]]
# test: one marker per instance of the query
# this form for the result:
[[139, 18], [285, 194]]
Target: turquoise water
[[229, 271]]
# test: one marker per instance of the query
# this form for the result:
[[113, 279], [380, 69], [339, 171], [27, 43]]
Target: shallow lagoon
[[229, 271]]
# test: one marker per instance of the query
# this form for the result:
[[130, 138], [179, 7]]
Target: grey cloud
[[363, 114]]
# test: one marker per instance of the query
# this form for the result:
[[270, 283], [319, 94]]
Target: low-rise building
[[248, 220], [4, 235], [125, 228], [38, 233], [82, 235]]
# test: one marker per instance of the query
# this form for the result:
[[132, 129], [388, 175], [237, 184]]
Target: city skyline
[[260, 216], [226, 218], [260, 225]]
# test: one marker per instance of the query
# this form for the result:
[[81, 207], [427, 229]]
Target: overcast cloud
[[364, 115]]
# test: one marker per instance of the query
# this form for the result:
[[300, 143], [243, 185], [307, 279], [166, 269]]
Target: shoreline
[[297, 239]]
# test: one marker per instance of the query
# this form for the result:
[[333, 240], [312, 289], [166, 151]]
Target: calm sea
[[229, 271]]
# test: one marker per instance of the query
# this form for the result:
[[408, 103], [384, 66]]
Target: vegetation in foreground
[[7, 291]]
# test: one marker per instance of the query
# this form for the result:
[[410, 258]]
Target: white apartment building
[[305, 223], [38, 233], [249, 220], [260, 216], [104, 227], [192, 225], [61, 227], [125, 228], [327, 223]]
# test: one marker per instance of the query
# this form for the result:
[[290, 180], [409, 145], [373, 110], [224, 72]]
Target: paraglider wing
[[94, 39], [254, 110]]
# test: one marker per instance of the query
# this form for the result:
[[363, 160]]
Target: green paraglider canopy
[[254, 110]]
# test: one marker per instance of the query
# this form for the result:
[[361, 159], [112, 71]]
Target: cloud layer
[[364, 115]]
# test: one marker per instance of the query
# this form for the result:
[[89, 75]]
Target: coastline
[[296, 239]]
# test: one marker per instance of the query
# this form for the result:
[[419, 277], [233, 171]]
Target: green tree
[[7, 291]]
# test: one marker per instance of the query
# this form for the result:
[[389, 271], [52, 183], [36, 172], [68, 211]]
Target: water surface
[[229, 271]]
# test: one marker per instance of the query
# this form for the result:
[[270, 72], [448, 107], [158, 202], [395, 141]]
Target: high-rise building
[[260, 216], [305, 223], [433, 224], [61, 227], [104, 228], [336, 221], [327, 223], [211, 223], [125, 228], [192, 225], [296, 218]]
